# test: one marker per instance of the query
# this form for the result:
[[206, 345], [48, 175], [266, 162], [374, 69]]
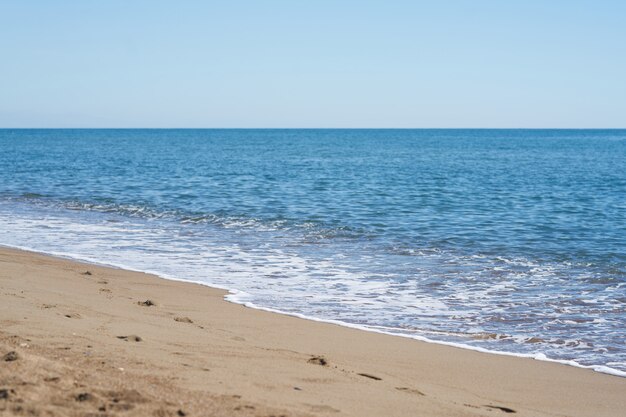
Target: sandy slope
[[86, 346]]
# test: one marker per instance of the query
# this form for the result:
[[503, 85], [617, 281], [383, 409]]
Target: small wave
[[311, 230], [33, 195]]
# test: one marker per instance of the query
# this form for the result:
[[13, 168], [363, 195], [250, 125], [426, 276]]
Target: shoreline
[[274, 363], [231, 296]]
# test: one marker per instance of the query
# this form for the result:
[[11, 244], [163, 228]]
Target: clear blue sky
[[319, 63]]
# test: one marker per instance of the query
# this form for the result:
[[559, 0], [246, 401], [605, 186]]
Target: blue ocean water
[[507, 240]]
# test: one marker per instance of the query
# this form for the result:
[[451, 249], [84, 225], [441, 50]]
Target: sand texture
[[84, 340]]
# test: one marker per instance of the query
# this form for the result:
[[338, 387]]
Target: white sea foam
[[325, 287]]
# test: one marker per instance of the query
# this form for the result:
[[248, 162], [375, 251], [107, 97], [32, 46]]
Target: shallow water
[[508, 240]]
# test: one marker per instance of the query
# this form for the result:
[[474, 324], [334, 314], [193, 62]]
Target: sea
[[504, 241]]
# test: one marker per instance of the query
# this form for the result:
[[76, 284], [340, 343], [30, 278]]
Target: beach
[[92, 340], [282, 209]]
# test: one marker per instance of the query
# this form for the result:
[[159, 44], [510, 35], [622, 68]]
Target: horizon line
[[312, 128]]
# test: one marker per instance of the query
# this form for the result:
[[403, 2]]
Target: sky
[[327, 64]]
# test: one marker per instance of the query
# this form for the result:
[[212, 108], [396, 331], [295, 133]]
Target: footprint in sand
[[504, 409], [318, 360], [493, 407], [183, 319], [83, 396], [374, 377], [410, 390], [132, 338]]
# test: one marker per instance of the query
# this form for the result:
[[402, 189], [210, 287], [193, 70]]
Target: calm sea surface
[[507, 240]]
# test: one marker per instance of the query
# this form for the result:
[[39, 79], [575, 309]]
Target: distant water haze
[[507, 240]]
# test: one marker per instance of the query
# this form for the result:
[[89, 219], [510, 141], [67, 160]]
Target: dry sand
[[86, 345]]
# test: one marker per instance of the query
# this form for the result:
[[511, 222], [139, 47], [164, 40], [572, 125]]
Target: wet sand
[[79, 339]]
